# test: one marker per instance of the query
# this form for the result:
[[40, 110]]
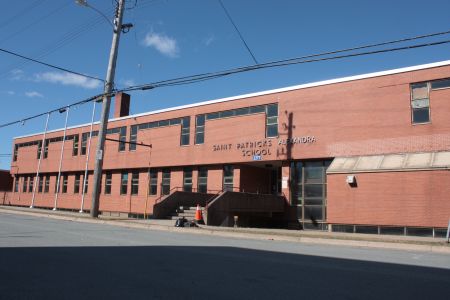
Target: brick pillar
[[122, 105]]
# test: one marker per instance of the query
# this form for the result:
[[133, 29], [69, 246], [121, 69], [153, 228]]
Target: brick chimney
[[122, 105]]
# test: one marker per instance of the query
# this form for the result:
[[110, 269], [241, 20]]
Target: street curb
[[393, 245]]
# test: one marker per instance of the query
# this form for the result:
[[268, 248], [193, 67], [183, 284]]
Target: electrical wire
[[213, 75], [49, 65], [237, 30]]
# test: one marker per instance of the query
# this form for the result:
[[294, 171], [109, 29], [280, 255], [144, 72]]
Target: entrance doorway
[[261, 178], [309, 192]]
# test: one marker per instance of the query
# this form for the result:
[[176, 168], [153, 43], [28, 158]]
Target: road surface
[[53, 259]]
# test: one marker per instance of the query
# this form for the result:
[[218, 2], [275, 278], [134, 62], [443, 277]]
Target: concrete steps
[[188, 212]]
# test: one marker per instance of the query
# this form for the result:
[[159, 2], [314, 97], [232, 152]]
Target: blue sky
[[173, 38]]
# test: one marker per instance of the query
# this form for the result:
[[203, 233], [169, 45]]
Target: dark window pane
[[212, 116], [185, 139], [272, 110], [272, 130], [242, 111], [257, 109], [440, 84], [163, 123], [313, 213], [124, 183], [175, 121], [421, 115], [200, 120], [200, 138], [313, 190], [226, 113]]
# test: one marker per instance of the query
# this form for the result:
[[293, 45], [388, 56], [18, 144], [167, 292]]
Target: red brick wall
[[418, 198]]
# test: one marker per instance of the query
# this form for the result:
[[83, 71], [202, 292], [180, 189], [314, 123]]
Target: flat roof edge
[[268, 92]]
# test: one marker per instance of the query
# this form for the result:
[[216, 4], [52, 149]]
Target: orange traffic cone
[[198, 215]]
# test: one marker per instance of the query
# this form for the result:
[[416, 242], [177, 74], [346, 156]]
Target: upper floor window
[[420, 103], [185, 128], [75, 145], [271, 111], [133, 137]]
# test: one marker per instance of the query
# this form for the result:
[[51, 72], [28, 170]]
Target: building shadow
[[167, 272]]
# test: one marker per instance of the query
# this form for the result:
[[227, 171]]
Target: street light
[[84, 3]]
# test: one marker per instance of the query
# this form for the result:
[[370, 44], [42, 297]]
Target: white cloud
[[67, 79], [209, 40], [17, 74], [11, 93], [34, 94], [161, 42], [127, 82]]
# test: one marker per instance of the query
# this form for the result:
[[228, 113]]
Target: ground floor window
[[153, 182], [202, 181], [187, 179], [228, 172], [134, 182], [76, 186], [309, 191], [124, 183], [108, 183], [165, 184]]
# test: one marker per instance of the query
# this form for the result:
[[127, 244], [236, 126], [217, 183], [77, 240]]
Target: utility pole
[[105, 108]]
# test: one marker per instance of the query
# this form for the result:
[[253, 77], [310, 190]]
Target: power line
[[62, 41], [213, 75], [299, 60], [49, 65], [237, 30]]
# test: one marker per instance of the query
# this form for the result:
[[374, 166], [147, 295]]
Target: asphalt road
[[51, 259]]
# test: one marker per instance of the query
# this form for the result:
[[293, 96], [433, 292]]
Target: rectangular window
[[76, 186], [134, 182], [199, 129], [124, 183], [185, 128], [16, 184], [272, 120], [25, 184], [440, 84], [86, 183], [153, 182], [165, 184], [75, 145], [30, 184], [64, 183], [46, 148], [202, 180], [47, 184], [39, 150], [108, 183], [16, 151], [40, 184], [122, 138], [84, 138], [187, 179], [56, 185], [420, 103], [133, 137], [228, 171]]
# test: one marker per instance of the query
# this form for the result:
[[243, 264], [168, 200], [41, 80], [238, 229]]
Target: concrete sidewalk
[[407, 243]]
